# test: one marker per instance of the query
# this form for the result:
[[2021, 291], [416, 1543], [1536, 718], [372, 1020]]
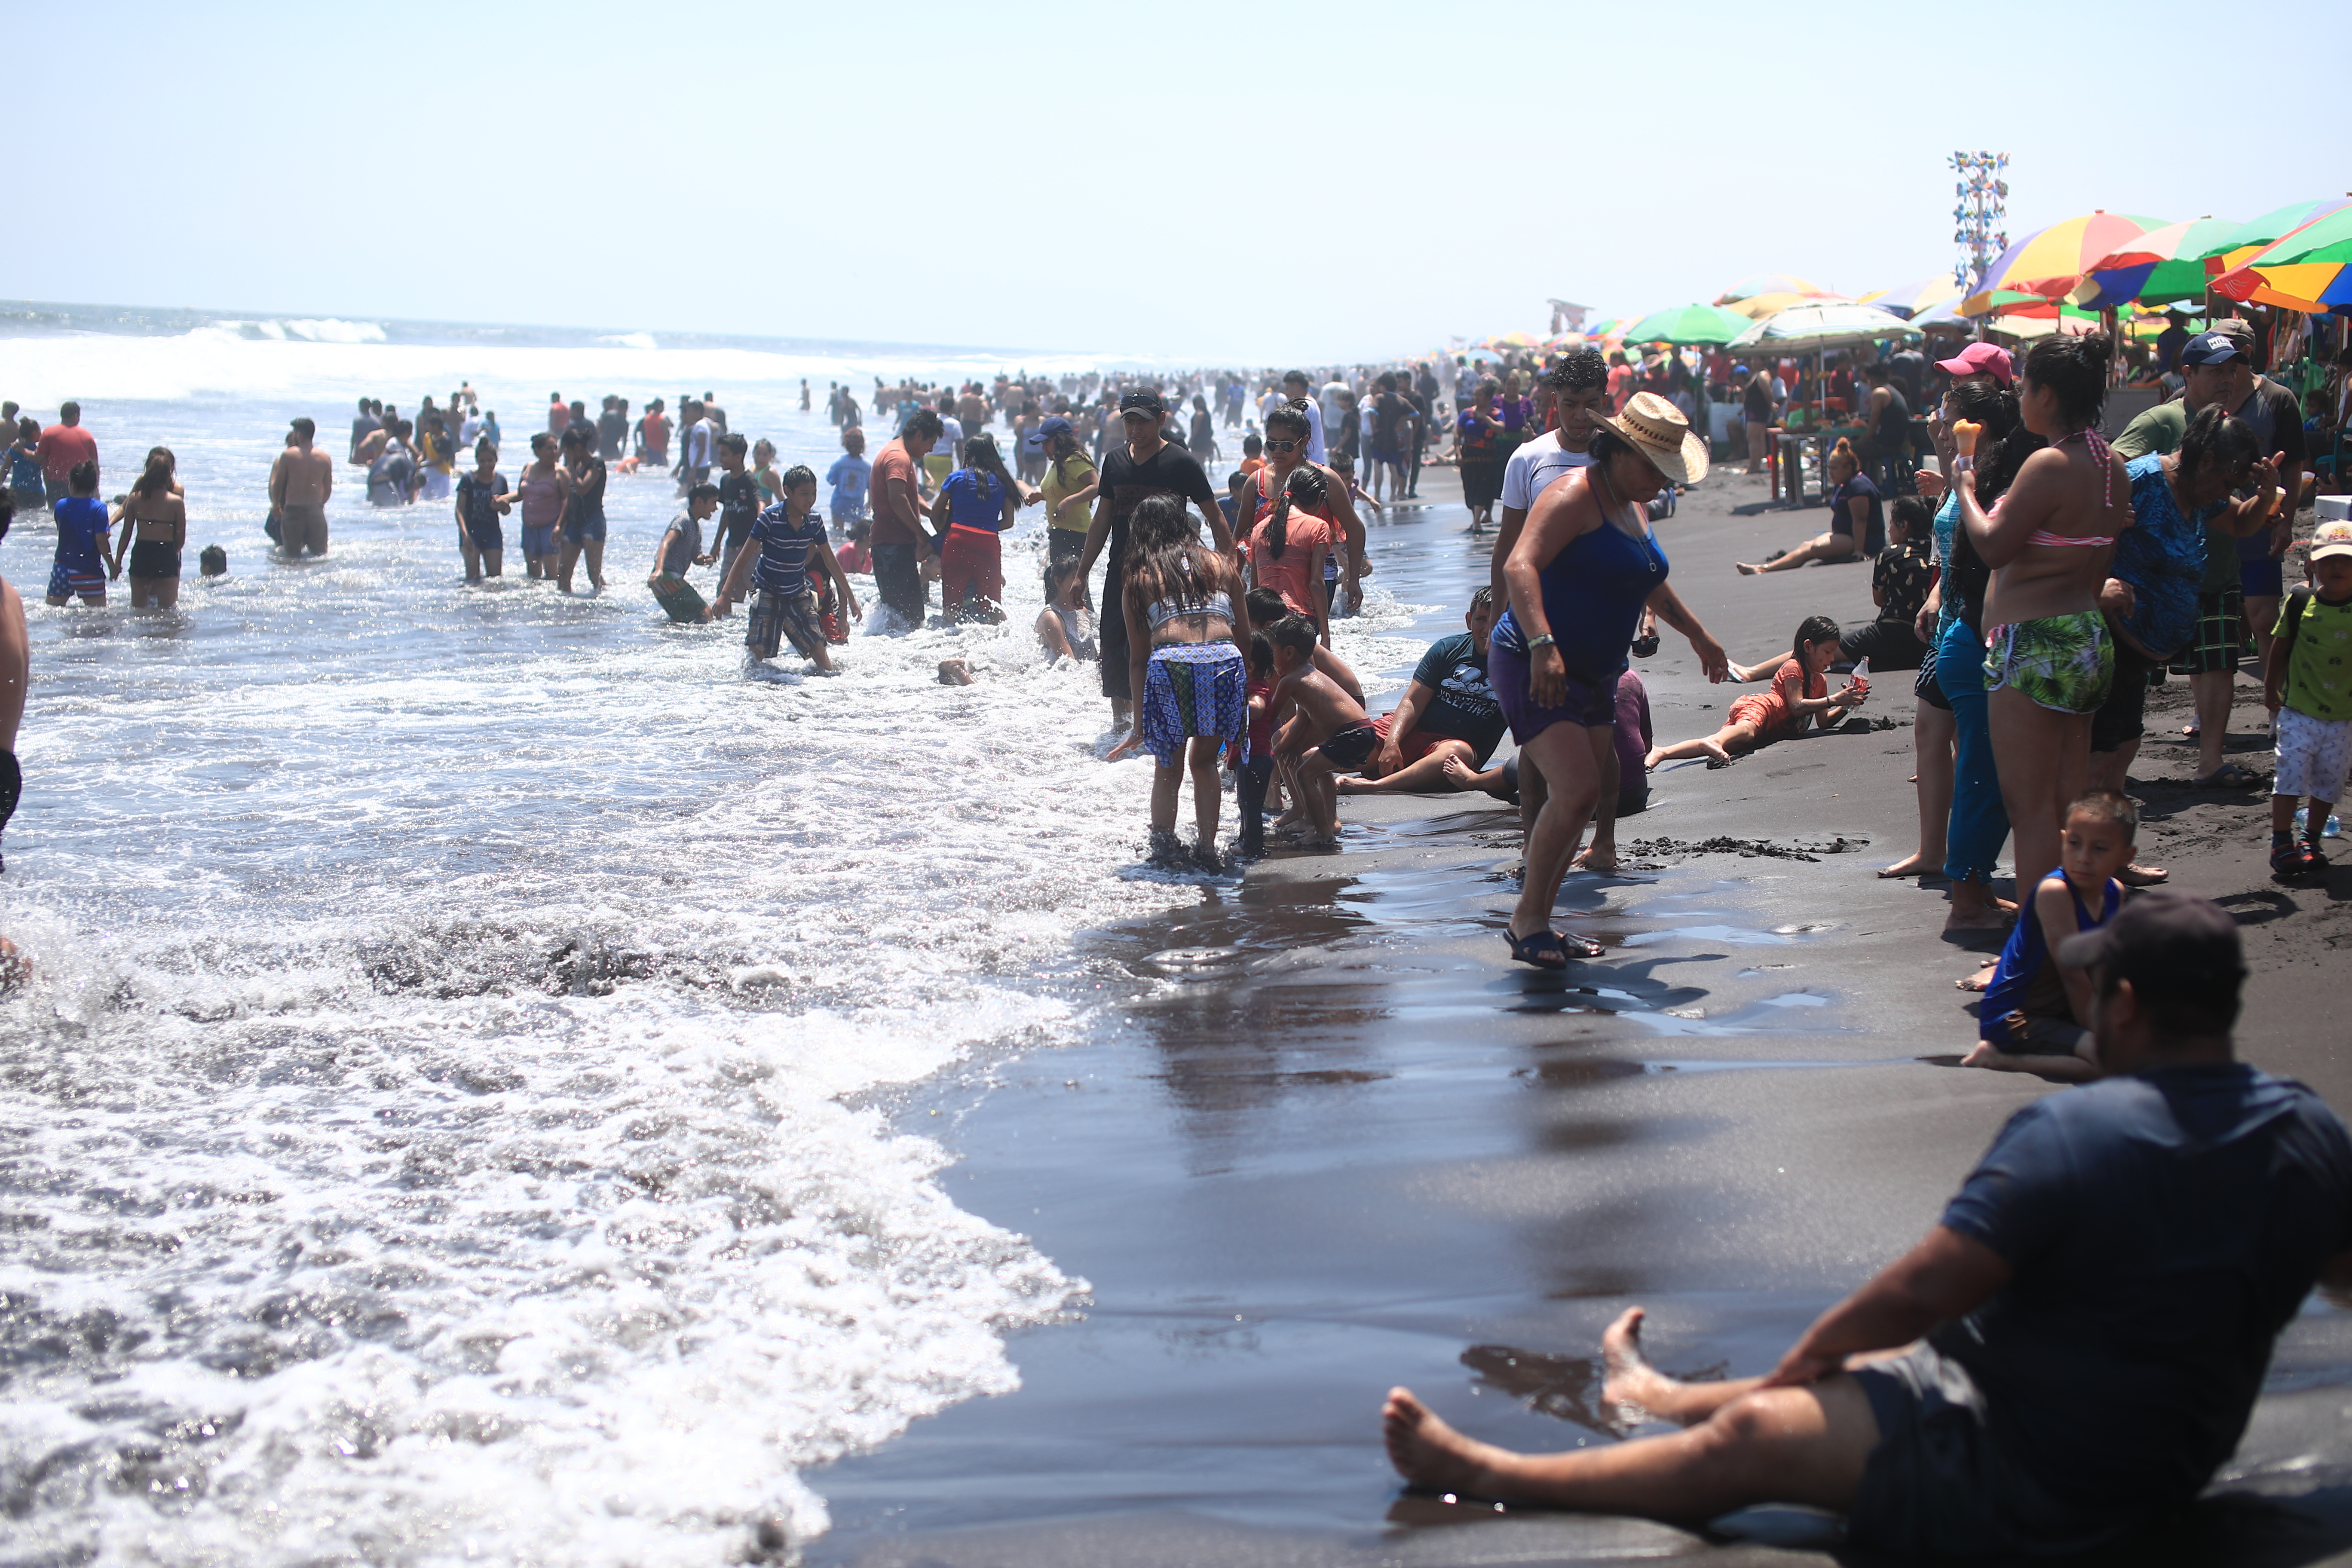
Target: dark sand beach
[[1329, 1140]]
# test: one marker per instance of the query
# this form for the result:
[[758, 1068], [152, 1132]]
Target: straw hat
[[1657, 430]]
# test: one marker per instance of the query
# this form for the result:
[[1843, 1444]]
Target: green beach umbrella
[[1688, 324]]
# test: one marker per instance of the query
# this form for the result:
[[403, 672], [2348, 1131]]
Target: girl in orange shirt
[[1800, 697]]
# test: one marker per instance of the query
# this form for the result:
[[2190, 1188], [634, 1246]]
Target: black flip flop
[[1543, 949]]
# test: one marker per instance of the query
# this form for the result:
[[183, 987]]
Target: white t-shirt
[[1330, 397], [951, 432], [1315, 452], [1535, 467]]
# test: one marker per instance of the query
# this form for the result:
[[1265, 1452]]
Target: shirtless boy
[[300, 483], [1321, 728]]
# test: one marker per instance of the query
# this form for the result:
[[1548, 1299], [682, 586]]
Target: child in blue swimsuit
[[2031, 1019]]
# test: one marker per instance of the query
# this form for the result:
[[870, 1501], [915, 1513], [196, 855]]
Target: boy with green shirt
[[2310, 690]]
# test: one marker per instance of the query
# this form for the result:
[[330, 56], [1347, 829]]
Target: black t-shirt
[[1464, 704], [739, 506], [612, 430], [2276, 418], [1388, 408], [1171, 471], [2162, 1228]]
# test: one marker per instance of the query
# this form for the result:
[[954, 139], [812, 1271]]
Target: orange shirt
[[893, 462]]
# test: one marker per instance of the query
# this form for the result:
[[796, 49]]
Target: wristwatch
[[1544, 641]]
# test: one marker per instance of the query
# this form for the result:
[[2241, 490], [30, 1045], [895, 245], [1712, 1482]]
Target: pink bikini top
[[2100, 454]]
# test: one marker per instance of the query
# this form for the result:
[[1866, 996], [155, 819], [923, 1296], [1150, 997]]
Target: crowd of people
[[2034, 576]]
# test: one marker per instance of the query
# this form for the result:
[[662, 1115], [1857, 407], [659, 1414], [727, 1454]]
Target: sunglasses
[[1284, 445]]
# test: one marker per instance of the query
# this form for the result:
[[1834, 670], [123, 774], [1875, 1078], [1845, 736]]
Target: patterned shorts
[[2314, 755], [2221, 634], [66, 581], [775, 616], [2064, 663], [1194, 689]]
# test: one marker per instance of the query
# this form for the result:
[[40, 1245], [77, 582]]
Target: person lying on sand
[[2071, 1353], [1799, 698]]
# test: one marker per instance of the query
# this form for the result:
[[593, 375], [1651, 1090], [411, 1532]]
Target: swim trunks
[[1937, 1482], [2220, 635], [66, 580], [2064, 663], [1351, 746], [1194, 689], [775, 616], [301, 528], [678, 596]]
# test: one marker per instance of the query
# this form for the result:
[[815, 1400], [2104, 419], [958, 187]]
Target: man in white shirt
[[1294, 386], [1329, 395], [1578, 391]]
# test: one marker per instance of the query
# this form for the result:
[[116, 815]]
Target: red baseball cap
[[1981, 359]]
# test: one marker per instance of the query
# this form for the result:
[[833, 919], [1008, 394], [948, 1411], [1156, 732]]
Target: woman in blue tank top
[[1584, 568]]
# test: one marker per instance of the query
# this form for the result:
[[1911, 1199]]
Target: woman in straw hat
[[1583, 568]]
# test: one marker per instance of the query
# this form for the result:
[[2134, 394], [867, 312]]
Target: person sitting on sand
[[2072, 1353], [1065, 625], [1447, 716], [2031, 1017], [1321, 729], [1855, 514], [1800, 698]]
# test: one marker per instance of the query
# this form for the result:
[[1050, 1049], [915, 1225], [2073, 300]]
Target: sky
[[1222, 183]]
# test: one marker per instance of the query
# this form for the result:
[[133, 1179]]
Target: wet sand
[[1333, 1141]]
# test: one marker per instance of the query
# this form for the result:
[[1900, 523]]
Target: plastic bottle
[[2303, 814]]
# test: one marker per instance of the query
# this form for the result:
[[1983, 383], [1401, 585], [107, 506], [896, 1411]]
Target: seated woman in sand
[[1857, 520], [1800, 697]]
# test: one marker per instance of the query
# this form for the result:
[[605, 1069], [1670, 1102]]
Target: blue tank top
[[2027, 981], [1594, 592], [975, 499]]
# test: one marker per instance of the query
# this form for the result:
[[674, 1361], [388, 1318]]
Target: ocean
[[451, 1116]]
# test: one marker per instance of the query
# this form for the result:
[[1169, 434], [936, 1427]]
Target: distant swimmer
[[559, 413], [79, 566], [154, 530], [583, 510], [62, 446], [545, 486], [300, 483], [16, 677], [481, 502], [366, 424]]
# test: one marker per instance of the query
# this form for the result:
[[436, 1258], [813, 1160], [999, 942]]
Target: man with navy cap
[[2078, 1344]]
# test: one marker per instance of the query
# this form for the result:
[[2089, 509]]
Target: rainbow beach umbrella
[[2308, 270], [2051, 261], [2155, 268], [2251, 239], [1912, 298]]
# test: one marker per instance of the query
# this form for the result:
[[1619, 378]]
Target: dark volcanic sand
[[1331, 1141]]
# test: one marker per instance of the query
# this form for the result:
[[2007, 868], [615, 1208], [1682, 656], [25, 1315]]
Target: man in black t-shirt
[[2079, 1344], [1147, 465], [738, 503], [612, 430], [1449, 714]]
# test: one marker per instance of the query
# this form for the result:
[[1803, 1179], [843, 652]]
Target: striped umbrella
[[1913, 298], [2158, 266], [1758, 306], [2252, 237], [1767, 283], [2308, 270], [2051, 261]]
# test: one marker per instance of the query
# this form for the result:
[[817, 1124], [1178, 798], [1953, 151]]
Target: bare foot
[[1459, 773], [1650, 760], [1978, 981], [1912, 866], [1596, 859], [1745, 570], [2138, 875], [1714, 748], [1428, 1453], [1631, 1386], [1976, 917], [1983, 1055]]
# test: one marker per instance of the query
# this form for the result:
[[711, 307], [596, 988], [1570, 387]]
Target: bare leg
[[1974, 907], [1460, 775], [1718, 745], [1631, 1380], [1776, 1445], [2211, 691], [473, 556], [1601, 853], [1428, 775], [1565, 755], [595, 552], [493, 561], [2043, 756], [1206, 796], [570, 558], [1165, 784], [1820, 547], [1933, 732]]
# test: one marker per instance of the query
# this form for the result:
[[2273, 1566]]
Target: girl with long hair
[[1800, 699], [982, 499], [154, 521]]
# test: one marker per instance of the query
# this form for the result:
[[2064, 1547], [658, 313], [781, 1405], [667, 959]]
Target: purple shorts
[[1592, 705]]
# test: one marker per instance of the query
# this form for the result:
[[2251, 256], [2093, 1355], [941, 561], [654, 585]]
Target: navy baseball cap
[[2166, 945], [2210, 348], [1056, 426]]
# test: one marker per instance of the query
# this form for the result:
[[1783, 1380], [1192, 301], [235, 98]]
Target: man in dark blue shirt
[[2072, 1353]]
